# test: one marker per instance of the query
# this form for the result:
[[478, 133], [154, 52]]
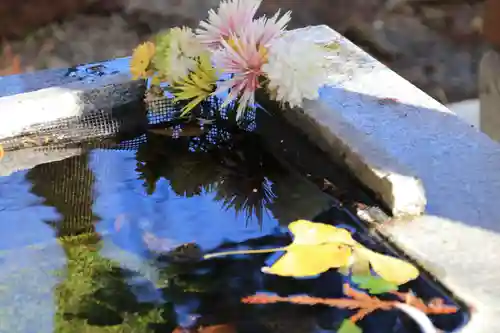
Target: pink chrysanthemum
[[242, 59], [264, 29], [229, 18]]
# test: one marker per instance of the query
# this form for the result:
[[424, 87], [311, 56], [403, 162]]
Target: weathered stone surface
[[38, 101], [457, 166]]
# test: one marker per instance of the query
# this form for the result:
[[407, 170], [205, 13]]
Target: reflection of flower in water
[[226, 160], [250, 196], [193, 174], [189, 172], [246, 174]]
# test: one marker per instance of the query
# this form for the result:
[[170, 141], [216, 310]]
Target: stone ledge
[[328, 123], [388, 130], [34, 100]]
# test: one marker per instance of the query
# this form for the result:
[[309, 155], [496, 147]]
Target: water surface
[[108, 241]]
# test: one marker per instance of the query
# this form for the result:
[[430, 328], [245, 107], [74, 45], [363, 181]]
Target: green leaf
[[349, 327], [373, 284]]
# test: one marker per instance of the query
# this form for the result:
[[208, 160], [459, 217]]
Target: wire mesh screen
[[134, 119], [100, 123], [67, 185], [163, 111]]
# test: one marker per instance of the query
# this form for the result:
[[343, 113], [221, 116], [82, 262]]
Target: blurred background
[[435, 44]]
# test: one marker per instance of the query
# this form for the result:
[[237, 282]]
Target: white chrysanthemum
[[184, 50], [296, 70], [264, 30], [227, 20]]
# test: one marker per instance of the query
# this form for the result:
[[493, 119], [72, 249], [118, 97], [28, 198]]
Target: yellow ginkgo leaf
[[389, 268], [317, 247], [310, 260], [141, 59], [360, 265], [307, 232]]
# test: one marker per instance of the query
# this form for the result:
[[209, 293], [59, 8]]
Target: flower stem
[[227, 253]]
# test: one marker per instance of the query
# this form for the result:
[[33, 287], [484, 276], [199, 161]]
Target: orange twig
[[365, 304], [435, 306]]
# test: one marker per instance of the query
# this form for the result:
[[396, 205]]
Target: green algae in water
[[89, 293]]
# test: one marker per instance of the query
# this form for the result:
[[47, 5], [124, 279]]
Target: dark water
[[108, 241]]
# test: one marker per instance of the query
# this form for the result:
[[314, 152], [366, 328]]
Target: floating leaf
[[310, 260], [374, 284], [349, 327], [312, 233], [315, 249], [318, 247], [359, 265], [344, 270], [389, 268]]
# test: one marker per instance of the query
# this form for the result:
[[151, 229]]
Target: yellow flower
[[141, 59], [198, 85], [177, 52]]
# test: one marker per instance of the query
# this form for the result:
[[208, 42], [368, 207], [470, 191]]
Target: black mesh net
[[55, 134], [164, 113]]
